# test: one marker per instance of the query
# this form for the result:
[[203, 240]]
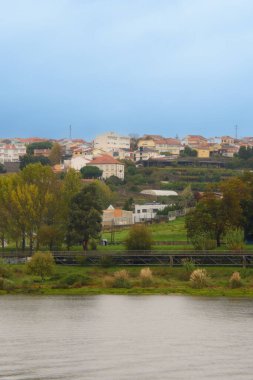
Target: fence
[[143, 258]]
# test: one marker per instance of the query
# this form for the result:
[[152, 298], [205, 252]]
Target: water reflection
[[121, 337]]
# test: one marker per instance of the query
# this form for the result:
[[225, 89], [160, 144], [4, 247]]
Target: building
[[203, 152], [147, 212], [146, 143], [109, 165], [11, 152], [76, 163], [193, 141], [227, 140], [111, 142], [168, 145], [116, 217]]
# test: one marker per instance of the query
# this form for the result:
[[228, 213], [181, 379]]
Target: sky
[[169, 67]]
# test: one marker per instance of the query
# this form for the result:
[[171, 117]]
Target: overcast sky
[[171, 67]]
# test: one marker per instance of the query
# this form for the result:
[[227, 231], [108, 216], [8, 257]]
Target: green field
[[90, 280]]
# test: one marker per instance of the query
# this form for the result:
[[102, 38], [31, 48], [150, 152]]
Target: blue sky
[[171, 67]]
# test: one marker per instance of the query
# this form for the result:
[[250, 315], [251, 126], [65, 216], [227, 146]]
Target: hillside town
[[107, 150]]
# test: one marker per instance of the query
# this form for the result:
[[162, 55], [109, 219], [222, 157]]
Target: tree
[[38, 145], [188, 152], [2, 169], [139, 238], [91, 172], [28, 159], [41, 264], [55, 154], [85, 216]]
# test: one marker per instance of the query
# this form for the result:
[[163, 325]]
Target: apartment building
[[168, 145], [11, 152], [111, 141]]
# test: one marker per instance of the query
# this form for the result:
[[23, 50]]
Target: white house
[[147, 211], [76, 162]]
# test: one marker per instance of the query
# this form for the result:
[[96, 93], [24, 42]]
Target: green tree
[[41, 264], [28, 159], [38, 145], [85, 216], [139, 238], [188, 152], [91, 172]]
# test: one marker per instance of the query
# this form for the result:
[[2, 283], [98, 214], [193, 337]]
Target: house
[[227, 140], [111, 142], [203, 152], [193, 141], [145, 153], [146, 143], [168, 145], [76, 162], [116, 217], [41, 152], [146, 212], [109, 165]]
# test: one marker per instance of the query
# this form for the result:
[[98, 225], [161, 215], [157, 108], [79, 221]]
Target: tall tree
[[85, 217]]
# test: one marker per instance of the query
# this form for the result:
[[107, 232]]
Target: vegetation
[[38, 145], [139, 238], [234, 239], [41, 264], [91, 172], [235, 280], [199, 278], [85, 216], [96, 280]]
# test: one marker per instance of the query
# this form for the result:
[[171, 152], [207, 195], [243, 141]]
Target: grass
[[165, 280]]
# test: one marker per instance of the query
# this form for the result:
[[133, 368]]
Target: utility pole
[[70, 132], [236, 129]]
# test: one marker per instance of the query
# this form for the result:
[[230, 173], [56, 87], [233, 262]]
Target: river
[[125, 337]]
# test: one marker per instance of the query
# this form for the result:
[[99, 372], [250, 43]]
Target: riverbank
[[78, 280]]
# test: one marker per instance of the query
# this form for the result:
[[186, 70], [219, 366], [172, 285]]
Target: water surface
[[125, 337]]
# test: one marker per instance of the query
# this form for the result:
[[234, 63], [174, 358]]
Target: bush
[[203, 241], [93, 245], [6, 284], [235, 280], [234, 239], [41, 264], [188, 268], [108, 281], [4, 269], [81, 260], [199, 278], [77, 280], [121, 279], [146, 277], [139, 238], [106, 261]]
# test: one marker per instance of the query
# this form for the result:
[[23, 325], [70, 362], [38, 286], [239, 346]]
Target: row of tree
[[39, 209], [215, 215]]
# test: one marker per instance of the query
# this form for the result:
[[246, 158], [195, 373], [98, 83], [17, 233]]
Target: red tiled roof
[[104, 159]]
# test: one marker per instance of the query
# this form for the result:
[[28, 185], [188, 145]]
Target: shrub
[[199, 278], [81, 260], [108, 281], [234, 239], [106, 261], [235, 280], [188, 268], [93, 245], [203, 241], [6, 284], [75, 280], [121, 279], [4, 269], [146, 277], [139, 238], [41, 264]]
